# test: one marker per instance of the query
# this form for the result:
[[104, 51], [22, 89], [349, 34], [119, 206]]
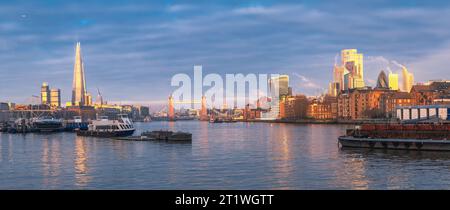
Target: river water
[[221, 156]]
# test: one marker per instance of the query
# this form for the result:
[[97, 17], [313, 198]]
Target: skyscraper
[[281, 83], [45, 94], [55, 97], [393, 81], [349, 73], [352, 61], [79, 82], [382, 81]]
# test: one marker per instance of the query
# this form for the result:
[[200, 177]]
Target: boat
[[402, 144], [168, 135], [4, 127], [427, 136], [47, 124], [76, 124], [215, 120], [163, 135], [20, 125], [104, 127]]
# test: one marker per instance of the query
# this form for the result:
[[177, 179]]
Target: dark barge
[[160, 135], [405, 144], [429, 136]]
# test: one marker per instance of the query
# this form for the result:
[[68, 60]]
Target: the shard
[[79, 82]]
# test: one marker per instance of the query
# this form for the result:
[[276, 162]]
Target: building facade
[[55, 97]]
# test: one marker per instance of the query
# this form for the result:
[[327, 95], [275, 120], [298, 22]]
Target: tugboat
[[104, 127]]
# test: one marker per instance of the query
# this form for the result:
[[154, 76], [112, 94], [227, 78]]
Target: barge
[[428, 136], [160, 135], [405, 144]]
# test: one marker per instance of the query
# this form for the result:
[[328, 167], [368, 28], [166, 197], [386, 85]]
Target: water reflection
[[81, 163], [51, 161], [281, 154], [355, 173], [221, 156]]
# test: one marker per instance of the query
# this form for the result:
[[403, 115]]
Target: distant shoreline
[[313, 121]]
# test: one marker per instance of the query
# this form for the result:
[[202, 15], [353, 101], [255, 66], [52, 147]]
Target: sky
[[131, 49]]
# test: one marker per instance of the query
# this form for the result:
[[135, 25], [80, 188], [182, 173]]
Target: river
[[221, 156]]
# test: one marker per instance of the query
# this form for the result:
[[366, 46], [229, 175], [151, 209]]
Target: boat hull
[[105, 134], [400, 144]]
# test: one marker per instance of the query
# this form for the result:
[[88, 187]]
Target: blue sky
[[132, 49]]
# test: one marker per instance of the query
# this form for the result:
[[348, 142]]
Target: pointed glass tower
[[79, 82]]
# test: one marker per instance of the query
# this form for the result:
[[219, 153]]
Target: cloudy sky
[[131, 50]]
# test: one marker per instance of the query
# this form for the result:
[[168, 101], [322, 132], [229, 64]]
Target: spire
[[79, 83]]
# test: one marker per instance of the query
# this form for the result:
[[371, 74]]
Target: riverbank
[[331, 121]]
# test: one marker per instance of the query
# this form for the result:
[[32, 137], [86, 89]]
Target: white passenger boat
[[104, 127]]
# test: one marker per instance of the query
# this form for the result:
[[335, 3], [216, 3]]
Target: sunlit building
[[393, 81], [55, 97], [436, 92], [88, 99], [361, 103], [171, 109], [45, 94], [390, 100], [204, 111], [294, 107], [349, 73], [278, 90], [79, 81], [352, 61], [281, 83]]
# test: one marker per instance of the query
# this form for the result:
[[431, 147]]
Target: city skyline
[[139, 57]]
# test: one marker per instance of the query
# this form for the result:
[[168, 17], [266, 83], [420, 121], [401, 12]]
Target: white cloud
[[256, 10], [179, 8], [307, 83]]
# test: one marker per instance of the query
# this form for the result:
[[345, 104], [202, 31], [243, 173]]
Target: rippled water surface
[[221, 156]]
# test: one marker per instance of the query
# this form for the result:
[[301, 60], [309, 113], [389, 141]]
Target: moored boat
[[103, 127], [161, 135], [47, 124], [431, 136], [168, 135], [405, 144], [76, 124]]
